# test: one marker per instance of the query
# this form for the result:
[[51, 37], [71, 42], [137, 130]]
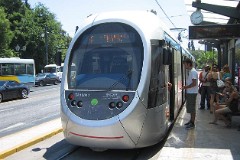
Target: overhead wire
[[164, 13]]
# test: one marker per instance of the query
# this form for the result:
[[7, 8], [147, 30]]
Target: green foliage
[[204, 57], [5, 35], [32, 29]]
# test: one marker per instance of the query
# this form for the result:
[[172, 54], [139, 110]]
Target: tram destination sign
[[214, 31]]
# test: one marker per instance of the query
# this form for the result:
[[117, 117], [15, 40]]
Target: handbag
[[220, 83], [200, 88]]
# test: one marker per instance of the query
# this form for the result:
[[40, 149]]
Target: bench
[[235, 114], [230, 115]]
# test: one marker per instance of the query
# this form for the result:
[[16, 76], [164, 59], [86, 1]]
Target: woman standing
[[212, 78]]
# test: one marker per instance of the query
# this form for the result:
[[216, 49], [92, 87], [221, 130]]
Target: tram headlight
[[112, 105], [79, 103], [73, 103], [119, 104]]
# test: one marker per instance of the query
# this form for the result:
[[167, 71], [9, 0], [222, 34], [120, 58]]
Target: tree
[[25, 27], [5, 35], [204, 57], [15, 10], [57, 39]]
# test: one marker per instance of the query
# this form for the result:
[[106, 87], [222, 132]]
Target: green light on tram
[[94, 102]]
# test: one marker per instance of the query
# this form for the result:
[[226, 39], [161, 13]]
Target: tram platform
[[205, 141], [15, 143]]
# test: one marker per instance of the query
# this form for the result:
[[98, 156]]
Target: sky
[[71, 13]]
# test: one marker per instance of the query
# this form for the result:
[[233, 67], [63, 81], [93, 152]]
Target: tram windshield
[[107, 56]]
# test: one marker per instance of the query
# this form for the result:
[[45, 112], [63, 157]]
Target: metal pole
[[213, 62], [46, 45], [233, 65], [219, 53]]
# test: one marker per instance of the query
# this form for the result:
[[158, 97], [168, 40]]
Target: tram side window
[[30, 69], [19, 69], [7, 69], [157, 89], [162, 89]]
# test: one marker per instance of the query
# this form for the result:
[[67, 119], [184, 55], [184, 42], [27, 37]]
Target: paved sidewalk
[[205, 142], [19, 141]]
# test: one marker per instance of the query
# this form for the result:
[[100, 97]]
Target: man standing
[[205, 93], [191, 92]]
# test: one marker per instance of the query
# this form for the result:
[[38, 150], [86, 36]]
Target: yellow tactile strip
[[42, 135]]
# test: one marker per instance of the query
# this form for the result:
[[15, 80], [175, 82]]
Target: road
[[57, 148], [42, 105]]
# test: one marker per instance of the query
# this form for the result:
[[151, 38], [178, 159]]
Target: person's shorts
[[213, 90], [191, 103], [223, 111]]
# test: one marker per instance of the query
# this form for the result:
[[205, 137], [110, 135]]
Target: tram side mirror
[[167, 56]]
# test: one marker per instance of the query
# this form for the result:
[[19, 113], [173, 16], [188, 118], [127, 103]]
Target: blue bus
[[20, 70]]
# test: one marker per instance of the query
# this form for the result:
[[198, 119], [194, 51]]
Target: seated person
[[226, 73], [230, 106], [225, 92]]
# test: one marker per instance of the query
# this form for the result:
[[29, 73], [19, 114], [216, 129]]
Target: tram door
[[171, 78], [175, 72]]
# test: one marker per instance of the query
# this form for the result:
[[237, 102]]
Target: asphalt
[[205, 141]]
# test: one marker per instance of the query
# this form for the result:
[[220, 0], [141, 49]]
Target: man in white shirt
[[191, 92]]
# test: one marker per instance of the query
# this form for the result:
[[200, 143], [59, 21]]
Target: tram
[[114, 92]]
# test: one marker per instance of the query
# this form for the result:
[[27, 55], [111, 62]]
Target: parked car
[[43, 79], [13, 90]]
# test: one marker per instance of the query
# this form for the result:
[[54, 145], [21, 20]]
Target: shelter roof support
[[223, 10]]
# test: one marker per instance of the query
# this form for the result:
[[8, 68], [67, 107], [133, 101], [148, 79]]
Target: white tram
[[114, 91]]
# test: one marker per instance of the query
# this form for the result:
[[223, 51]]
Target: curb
[[29, 143]]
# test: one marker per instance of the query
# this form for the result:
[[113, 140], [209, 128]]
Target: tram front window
[[113, 63]]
